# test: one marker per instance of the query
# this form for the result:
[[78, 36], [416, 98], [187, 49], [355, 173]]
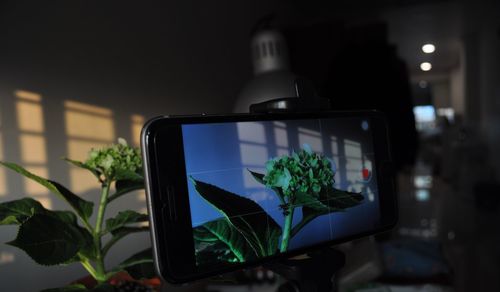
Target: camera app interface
[[257, 189]]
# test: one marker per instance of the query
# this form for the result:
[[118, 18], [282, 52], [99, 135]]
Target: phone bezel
[[166, 189]]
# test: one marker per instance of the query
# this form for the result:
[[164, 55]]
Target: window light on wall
[[32, 141]]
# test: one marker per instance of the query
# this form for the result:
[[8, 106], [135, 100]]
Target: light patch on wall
[[141, 196], [33, 148], [6, 257], [30, 122], [282, 152], [354, 164], [29, 116], [253, 154], [88, 108], [82, 180], [281, 137], [251, 132], [137, 123], [28, 95], [334, 145], [311, 138], [352, 149], [87, 126]]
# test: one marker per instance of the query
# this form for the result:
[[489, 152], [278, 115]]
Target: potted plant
[[54, 237]]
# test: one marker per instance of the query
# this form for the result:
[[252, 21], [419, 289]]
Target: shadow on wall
[[36, 131]]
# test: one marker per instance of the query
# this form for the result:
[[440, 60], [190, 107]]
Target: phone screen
[[258, 189]]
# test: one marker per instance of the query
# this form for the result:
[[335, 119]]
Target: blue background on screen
[[220, 154]]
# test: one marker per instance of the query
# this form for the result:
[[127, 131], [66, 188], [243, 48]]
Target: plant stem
[[100, 269], [86, 264], [287, 230]]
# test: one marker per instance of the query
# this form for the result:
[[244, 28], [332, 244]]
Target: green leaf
[[49, 240], [124, 218], [126, 186], [18, 211], [222, 230], [70, 288], [309, 201], [139, 266], [120, 233], [259, 177], [332, 200], [213, 254], [126, 174], [258, 228], [83, 208], [83, 165]]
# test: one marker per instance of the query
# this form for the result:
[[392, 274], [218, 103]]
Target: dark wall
[[182, 56]]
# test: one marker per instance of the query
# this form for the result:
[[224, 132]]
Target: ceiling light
[[426, 66], [428, 48]]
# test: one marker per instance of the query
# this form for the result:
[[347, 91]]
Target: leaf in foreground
[[257, 227], [123, 219], [49, 240], [333, 200], [221, 231], [139, 266], [18, 211], [83, 208]]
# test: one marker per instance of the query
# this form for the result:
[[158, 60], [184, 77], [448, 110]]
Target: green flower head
[[303, 172], [116, 162]]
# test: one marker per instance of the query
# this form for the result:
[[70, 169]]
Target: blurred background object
[[75, 75]]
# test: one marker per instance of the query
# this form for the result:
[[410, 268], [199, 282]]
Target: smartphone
[[228, 192]]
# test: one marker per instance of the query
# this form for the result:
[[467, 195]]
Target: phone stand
[[303, 88], [317, 272], [313, 274]]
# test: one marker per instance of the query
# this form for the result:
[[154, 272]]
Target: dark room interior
[[77, 75]]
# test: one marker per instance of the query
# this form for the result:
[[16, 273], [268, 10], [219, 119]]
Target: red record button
[[365, 173]]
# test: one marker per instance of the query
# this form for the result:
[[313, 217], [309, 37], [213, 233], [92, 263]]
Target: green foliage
[[304, 172], [123, 219], [17, 212], [56, 238], [302, 180], [82, 208], [331, 200], [139, 265], [116, 163], [221, 233], [126, 186], [259, 236], [49, 240]]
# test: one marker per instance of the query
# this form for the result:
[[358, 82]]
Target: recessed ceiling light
[[428, 48], [426, 66], [422, 84]]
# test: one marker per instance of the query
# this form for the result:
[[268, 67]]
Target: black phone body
[[221, 188]]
